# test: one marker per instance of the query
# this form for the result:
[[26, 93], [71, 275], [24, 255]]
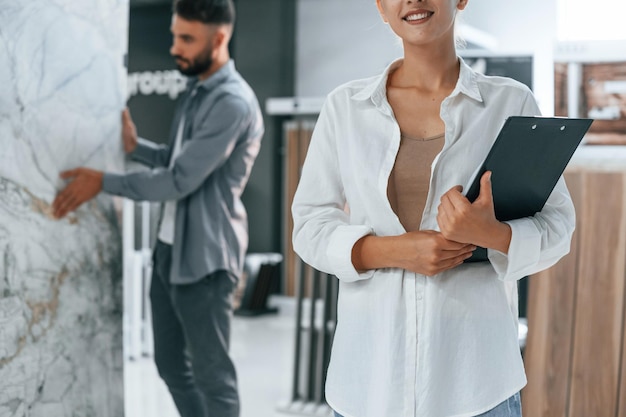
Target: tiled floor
[[262, 348]]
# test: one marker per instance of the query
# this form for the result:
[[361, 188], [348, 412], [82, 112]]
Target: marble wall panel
[[62, 88]]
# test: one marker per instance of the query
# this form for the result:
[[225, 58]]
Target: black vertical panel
[[264, 53], [149, 61]]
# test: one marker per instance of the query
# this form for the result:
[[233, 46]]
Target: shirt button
[[419, 297]]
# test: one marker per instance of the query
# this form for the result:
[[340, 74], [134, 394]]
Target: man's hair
[[212, 12]]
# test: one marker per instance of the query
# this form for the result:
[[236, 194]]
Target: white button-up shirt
[[408, 344]]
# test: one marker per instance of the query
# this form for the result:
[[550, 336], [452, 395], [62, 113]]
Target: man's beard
[[198, 65]]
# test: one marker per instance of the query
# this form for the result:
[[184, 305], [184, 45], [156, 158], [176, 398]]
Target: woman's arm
[[425, 252], [519, 247]]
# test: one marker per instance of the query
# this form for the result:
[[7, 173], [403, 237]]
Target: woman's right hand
[[425, 252], [129, 132]]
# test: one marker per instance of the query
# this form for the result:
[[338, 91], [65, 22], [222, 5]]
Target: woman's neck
[[427, 70]]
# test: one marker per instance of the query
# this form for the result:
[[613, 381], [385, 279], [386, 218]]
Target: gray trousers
[[191, 325]]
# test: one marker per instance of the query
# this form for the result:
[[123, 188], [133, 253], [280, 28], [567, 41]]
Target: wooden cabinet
[[576, 349]]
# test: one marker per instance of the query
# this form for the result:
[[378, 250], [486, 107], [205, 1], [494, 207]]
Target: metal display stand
[[316, 316], [262, 271]]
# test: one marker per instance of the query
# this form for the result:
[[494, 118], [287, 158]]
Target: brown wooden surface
[[297, 138], [621, 411], [291, 175], [550, 322], [576, 313], [560, 89], [599, 304]]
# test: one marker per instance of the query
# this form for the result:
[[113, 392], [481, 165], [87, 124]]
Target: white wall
[[340, 40], [337, 41], [527, 27]]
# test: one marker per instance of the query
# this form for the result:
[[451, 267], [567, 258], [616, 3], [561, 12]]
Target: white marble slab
[[62, 89]]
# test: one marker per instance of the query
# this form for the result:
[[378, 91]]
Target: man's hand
[[476, 222], [129, 132], [86, 184]]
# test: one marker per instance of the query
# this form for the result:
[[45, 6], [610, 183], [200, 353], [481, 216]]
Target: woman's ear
[[462, 4], [381, 11]]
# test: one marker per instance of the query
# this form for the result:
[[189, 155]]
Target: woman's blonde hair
[[459, 40]]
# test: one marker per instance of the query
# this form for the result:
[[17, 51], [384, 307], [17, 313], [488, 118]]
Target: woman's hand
[[430, 253], [425, 252], [475, 223]]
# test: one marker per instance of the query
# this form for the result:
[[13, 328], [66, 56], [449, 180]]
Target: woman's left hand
[[474, 223]]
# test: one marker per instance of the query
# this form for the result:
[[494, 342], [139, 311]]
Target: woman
[[380, 205]]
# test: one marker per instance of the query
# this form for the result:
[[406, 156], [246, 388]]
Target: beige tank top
[[410, 178]]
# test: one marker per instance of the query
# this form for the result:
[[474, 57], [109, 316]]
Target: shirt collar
[[214, 79], [376, 90], [468, 83]]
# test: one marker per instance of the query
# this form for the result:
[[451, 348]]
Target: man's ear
[[219, 38], [462, 4]]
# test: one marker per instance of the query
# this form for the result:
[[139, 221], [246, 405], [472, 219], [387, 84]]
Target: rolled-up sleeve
[[538, 242], [323, 236], [150, 153], [200, 155]]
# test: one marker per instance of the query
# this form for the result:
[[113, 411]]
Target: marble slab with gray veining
[[62, 88]]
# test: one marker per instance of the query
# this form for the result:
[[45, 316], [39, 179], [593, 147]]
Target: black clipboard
[[527, 159]]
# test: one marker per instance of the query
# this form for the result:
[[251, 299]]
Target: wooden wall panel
[[550, 323], [291, 174], [621, 412], [599, 297], [297, 136], [561, 96]]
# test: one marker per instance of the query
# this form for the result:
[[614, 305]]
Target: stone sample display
[[62, 89]]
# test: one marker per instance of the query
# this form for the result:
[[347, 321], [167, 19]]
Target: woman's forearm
[[373, 252]]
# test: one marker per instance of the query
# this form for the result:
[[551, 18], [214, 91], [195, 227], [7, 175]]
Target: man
[[202, 238]]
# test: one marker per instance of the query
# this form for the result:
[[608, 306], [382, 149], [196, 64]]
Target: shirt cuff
[[112, 183], [339, 252], [144, 150], [524, 250]]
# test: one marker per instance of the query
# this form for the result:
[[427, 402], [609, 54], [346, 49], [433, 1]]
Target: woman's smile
[[417, 16]]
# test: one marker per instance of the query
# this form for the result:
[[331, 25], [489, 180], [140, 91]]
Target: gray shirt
[[221, 139]]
